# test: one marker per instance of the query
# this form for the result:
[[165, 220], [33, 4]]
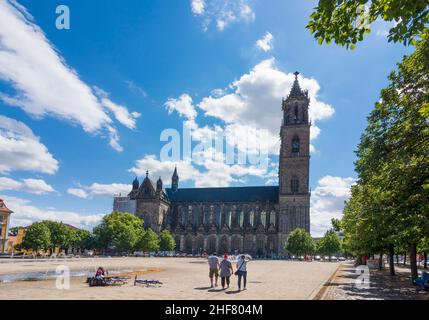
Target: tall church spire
[[296, 89], [175, 180]]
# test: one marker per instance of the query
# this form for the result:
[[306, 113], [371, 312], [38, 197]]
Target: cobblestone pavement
[[183, 278], [345, 285]]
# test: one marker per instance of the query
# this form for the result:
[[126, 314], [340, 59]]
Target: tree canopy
[[119, 230], [346, 22], [300, 242], [330, 244], [166, 241], [37, 237], [389, 206], [148, 241]]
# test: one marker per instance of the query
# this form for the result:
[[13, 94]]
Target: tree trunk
[[425, 262], [391, 260], [397, 259], [413, 261], [380, 261], [405, 259]]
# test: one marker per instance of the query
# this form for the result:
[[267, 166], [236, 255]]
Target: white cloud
[[44, 84], [135, 88], [251, 115], [222, 13], [214, 172], [197, 6], [77, 192], [266, 43], [20, 149], [183, 106], [121, 113], [35, 186], [163, 169], [25, 214], [100, 190], [255, 101], [327, 202]]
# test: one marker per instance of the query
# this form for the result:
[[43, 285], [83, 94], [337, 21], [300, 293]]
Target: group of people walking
[[225, 270]]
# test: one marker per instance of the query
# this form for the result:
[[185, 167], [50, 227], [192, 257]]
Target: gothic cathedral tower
[[294, 166]]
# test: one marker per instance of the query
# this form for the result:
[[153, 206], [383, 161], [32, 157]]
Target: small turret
[[175, 180], [136, 184], [159, 185]]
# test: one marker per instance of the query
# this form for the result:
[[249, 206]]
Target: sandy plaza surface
[[182, 278]]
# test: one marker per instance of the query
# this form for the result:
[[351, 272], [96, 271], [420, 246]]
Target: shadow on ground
[[382, 286]]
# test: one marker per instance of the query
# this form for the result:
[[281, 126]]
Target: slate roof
[[230, 194]]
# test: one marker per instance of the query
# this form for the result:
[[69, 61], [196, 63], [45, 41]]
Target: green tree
[[61, 235], [330, 244], [166, 241], [119, 230], [81, 239], [148, 241], [300, 242], [37, 237], [347, 21], [390, 205], [336, 224]]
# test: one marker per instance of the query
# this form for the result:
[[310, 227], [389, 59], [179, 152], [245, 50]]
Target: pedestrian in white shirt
[[242, 271]]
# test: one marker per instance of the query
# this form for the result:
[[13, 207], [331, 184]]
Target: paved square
[[183, 278]]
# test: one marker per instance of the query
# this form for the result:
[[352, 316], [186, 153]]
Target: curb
[[321, 292]]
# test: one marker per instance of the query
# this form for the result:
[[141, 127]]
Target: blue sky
[[82, 110]]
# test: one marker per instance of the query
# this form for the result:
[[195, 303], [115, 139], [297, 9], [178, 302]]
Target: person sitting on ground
[[213, 268], [226, 271], [100, 273]]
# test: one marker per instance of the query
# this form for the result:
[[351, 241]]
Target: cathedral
[[253, 220]]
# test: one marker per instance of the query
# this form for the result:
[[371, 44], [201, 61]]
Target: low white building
[[124, 204]]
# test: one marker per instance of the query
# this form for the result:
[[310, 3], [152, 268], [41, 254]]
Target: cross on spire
[[296, 89]]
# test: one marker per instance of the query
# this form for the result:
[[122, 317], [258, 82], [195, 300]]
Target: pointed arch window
[[207, 216], [240, 217], [218, 215], [196, 216], [183, 216], [252, 217], [294, 185], [295, 144], [264, 218], [229, 217], [296, 113], [273, 218]]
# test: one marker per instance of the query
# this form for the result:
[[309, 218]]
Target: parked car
[[333, 258], [317, 258]]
